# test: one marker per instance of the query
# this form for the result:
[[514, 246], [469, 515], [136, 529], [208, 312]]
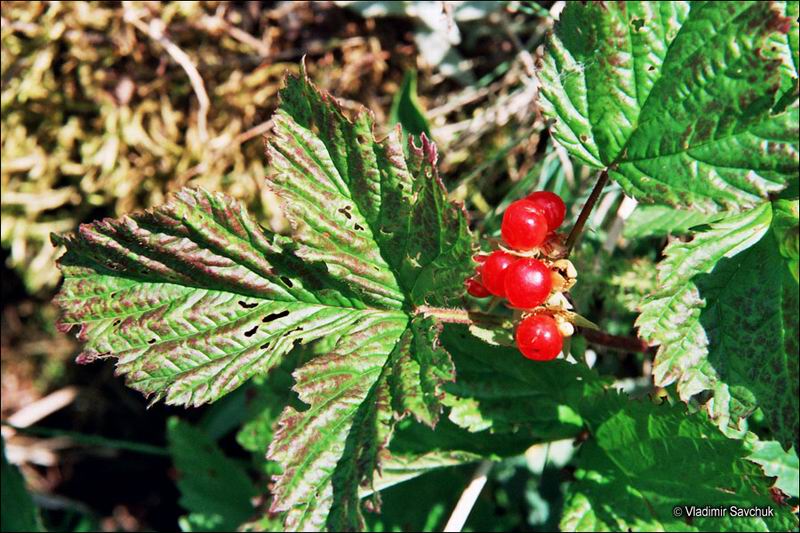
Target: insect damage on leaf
[[688, 104], [194, 297]]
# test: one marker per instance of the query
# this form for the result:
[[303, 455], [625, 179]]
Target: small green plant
[[396, 372]]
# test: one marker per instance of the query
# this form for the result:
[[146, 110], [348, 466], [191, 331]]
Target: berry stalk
[[577, 229]]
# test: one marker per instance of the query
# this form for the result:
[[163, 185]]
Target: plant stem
[[577, 229], [615, 342], [461, 316], [468, 498], [90, 440]]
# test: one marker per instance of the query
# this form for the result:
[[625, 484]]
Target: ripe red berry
[[493, 273], [551, 205], [528, 283], [524, 225], [475, 288], [538, 338]]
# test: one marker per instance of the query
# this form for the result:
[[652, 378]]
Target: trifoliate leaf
[[690, 104], [193, 298], [725, 317], [642, 461], [214, 489]]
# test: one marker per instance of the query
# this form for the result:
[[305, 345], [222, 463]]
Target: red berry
[[551, 205], [493, 273], [476, 288], [538, 338], [528, 283], [524, 225]]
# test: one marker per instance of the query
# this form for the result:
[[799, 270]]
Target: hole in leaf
[[651, 68], [250, 332], [346, 212], [265, 346], [117, 322], [287, 281], [637, 24], [247, 305], [358, 226], [151, 341], [274, 316]]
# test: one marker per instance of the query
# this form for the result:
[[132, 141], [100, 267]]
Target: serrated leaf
[[352, 199], [661, 220], [690, 104], [726, 320], [214, 489], [778, 463], [193, 298], [642, 460]]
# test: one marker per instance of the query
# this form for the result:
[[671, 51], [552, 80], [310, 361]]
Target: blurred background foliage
[[107, 107]]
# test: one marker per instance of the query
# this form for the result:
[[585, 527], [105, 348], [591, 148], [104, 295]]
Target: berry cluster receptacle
[[531, 274]]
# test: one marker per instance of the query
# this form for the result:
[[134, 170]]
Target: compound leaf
[[193, 298], [725, 316], [690, 104]]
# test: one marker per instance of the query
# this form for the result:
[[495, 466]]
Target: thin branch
[[461, 316], [577, 229], [468, 498], [616, 342], [155, 30]]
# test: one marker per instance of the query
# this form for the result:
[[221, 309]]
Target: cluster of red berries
[[528, 272]]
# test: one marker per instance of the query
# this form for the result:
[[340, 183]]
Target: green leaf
[[687, 104], [642, 460], [398, 469], [780, 464], [786, 223], [660, 220], [726, 319], [406, 108], [194, 298], [498, 389], [18, 512], [214, 489]]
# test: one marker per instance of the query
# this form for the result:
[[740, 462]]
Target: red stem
[[616, 342], [602, 179]]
